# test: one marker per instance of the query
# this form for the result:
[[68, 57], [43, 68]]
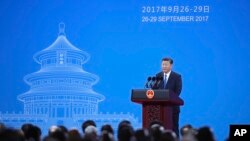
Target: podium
[[156, 105]]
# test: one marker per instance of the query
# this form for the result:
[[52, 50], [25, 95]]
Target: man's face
[[166, 66]]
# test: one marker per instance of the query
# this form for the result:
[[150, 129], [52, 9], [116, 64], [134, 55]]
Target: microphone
[[155, 86], [152, 82], [157, 82], [147, 83]]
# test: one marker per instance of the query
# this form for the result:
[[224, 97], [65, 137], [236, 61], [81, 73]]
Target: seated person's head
[[86, 124]]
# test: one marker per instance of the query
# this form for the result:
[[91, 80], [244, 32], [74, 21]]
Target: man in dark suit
[[172, 81]]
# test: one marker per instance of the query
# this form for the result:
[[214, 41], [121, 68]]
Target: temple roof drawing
[[61, 91]]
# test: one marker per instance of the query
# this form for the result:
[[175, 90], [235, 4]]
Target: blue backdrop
[[212, 56]]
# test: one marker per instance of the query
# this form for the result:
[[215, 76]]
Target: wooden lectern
[[156, 105]]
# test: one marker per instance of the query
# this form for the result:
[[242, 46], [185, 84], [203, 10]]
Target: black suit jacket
[[174, 83]]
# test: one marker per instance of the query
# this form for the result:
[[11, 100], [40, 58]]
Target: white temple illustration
[[61, 91]]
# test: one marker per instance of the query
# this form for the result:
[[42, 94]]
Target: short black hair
[[170, 60], [108, 128]]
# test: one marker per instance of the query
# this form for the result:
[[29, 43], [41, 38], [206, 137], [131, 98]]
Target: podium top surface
[[159, 96]]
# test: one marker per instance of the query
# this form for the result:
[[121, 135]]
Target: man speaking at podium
[[171, 81]]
